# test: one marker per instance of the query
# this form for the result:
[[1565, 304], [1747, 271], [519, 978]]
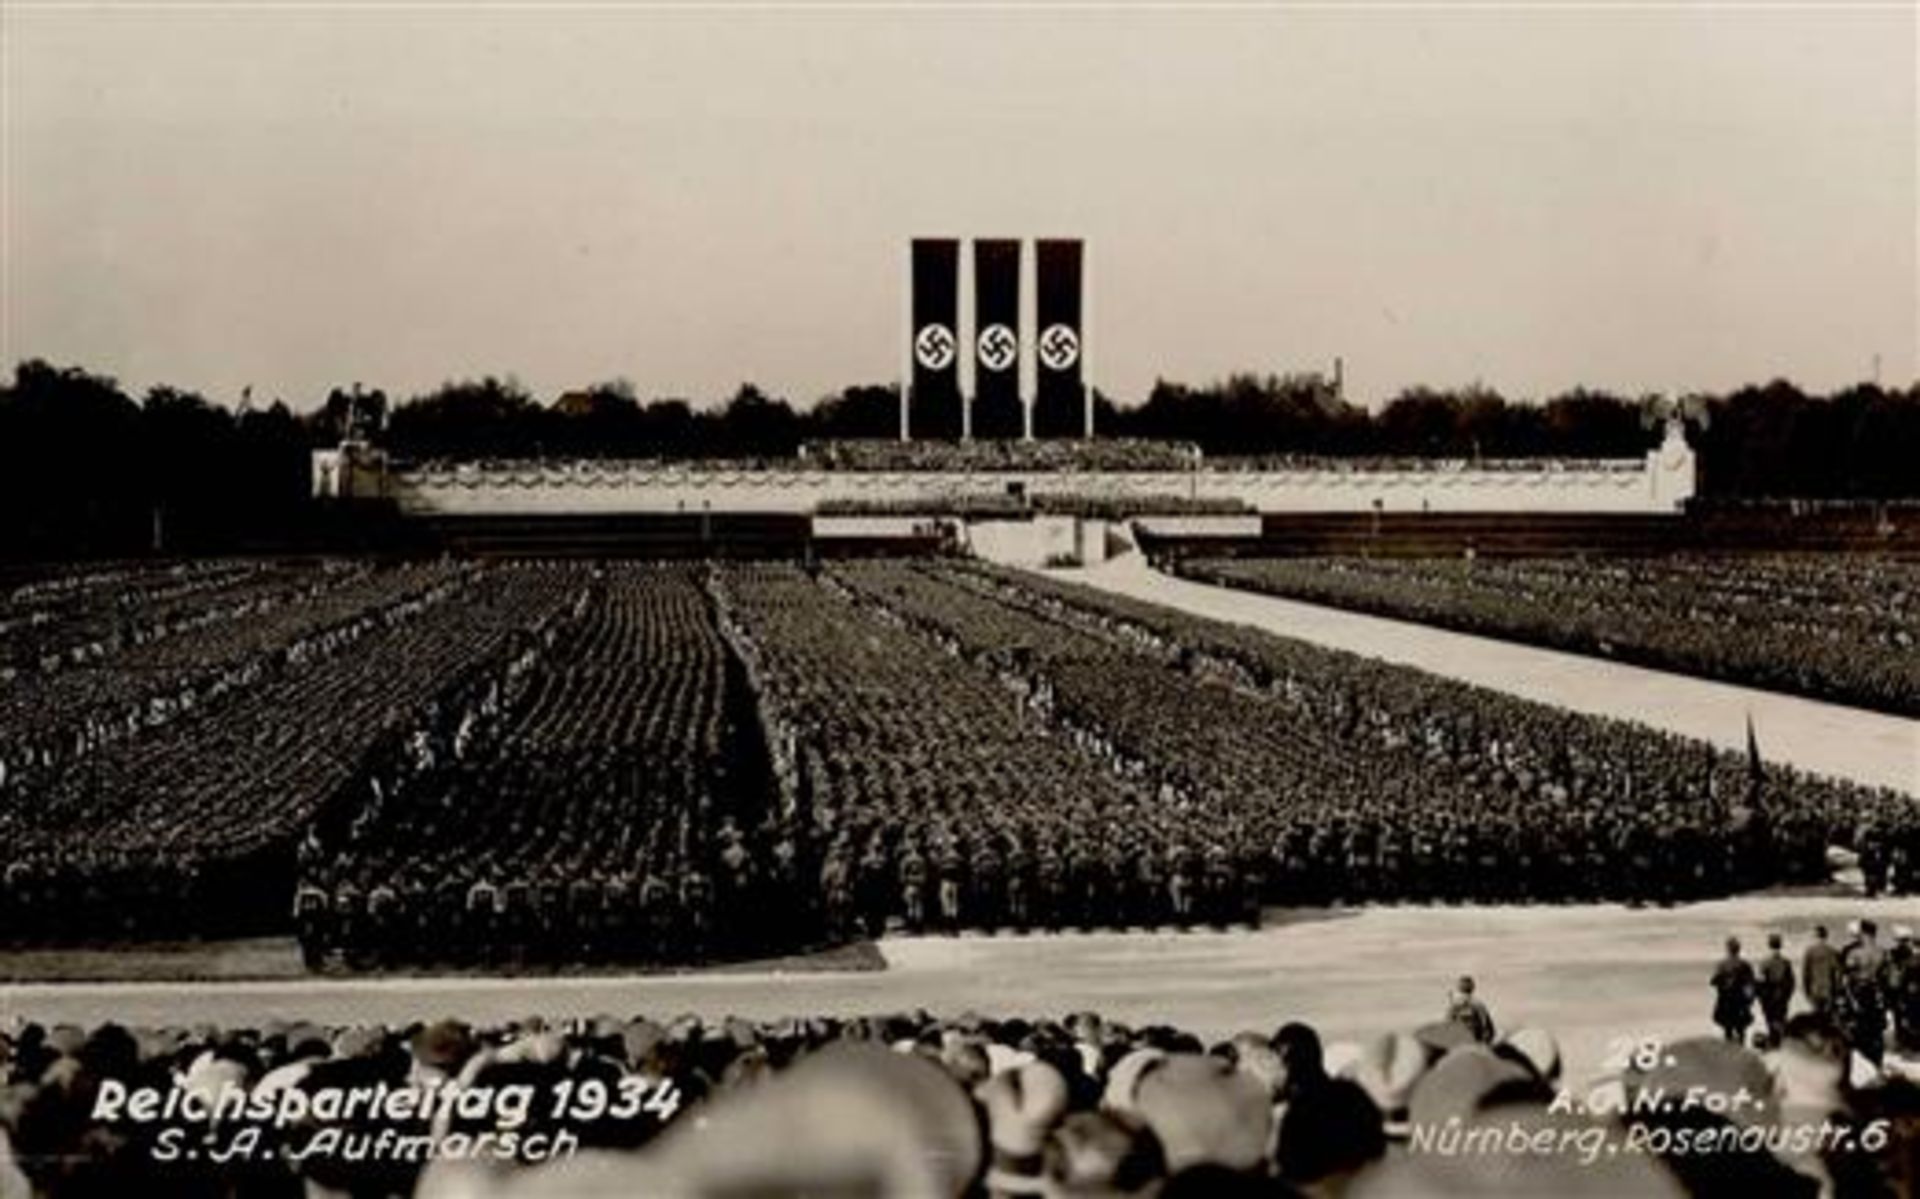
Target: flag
[[996, 339], [1059, 399], [933, 397], [1756, 773]]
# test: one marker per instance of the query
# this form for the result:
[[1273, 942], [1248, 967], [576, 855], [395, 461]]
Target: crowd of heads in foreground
[[913, 1104]]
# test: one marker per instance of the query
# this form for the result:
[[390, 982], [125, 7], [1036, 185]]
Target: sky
[[1532, 196]]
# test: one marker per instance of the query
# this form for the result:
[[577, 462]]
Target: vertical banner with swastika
[[1059, 401], [933, 405], [996, 338]]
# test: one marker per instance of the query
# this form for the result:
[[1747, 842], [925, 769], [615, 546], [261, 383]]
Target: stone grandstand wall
[[1661, 483]]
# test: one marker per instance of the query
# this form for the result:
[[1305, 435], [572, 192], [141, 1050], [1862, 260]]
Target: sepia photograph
[[839, 599]]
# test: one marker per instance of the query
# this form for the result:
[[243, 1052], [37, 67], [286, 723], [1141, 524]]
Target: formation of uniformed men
[[1838, 628], [183, 828], [950, 748], [951, 884], [1863, 988], [587, 799], [668, 910], [151, 673]]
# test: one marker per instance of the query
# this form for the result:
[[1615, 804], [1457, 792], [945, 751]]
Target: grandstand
[[1662, 481], [748, 508]]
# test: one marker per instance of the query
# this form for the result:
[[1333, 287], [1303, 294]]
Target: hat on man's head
[[1259, 1061], [1340, 1057], [1442, 1036], [1205, 1112], [1001, 1058], [1467, 1081], [1100, 1153], [359, 1040], [639, 1038], [1121, 1093], [1331, 1130], [444, 1046], [66, 1039], [1022, 1105], [305, 1040], [848, 1119], [1539, 1049], [1387, 1069]]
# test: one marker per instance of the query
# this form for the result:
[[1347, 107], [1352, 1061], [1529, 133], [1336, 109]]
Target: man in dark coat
[[1775, 990], [1863, 975], [1820, 972], [1733, 985], [1466, 1010]]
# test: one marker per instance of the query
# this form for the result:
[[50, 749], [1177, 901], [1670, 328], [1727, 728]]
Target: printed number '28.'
[[1634, 1053]]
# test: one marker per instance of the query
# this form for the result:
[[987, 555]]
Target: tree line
[[87, 469]]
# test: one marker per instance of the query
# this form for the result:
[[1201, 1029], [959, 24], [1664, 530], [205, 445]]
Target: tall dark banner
[[933, 408], [996, 339], [1059, 404]]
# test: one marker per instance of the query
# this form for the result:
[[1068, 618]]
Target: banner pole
[[1029, 316], [1086, 341], [906, 337]]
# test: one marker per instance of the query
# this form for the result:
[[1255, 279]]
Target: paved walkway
[[1823, 738], [1592, 974]]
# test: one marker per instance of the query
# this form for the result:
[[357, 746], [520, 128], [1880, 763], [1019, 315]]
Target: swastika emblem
[[998, 347], [1059, 347], [933, 347]]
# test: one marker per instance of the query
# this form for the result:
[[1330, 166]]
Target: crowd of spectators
[[1048, 455], [1090, 504], [910, 1103], [1423, 464], [1051, 454], [541, 472], [977, 503], [1840, 628], [1120, 507], [873, 455]]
